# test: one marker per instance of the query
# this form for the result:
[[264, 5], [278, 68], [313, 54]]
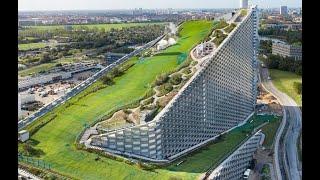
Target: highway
[[80, 87], [287, 148]]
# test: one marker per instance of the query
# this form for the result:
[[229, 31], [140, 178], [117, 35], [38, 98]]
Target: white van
[[246, 174]]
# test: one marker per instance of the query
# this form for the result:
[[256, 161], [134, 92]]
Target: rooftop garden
[[55, 134], [243, 12]]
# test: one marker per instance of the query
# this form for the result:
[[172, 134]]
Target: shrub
[[186, 71], [127, 111], [162, 78], [107, 80], [194, 63], [148, 101], [31, 151], [230, 27], [297, 87], [175, 79], [218, 33], [221, 24], [165, 88], [115, 72], [218, 40]]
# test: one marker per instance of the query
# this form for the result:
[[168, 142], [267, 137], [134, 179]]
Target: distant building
[[286, 50], [19, 107], [283, 10], [296, 26], [43, 79], [244, 4]]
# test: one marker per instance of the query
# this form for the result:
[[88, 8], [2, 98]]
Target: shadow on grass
[[168, 54], [33, 142]]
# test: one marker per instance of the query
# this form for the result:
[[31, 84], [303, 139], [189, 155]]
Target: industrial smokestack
[[243, 4]]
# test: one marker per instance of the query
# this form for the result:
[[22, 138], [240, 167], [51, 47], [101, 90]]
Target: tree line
[[290, 36], [283, 63]]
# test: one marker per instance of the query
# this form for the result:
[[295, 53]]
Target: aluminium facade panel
[[220, 96]]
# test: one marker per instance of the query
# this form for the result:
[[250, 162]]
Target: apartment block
[[286, 50]]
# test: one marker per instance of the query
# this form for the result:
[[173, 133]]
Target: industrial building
[[218, 97], [58, 73], [287, 50], [42, 79]]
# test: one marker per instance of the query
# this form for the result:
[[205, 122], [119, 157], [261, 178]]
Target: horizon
[[97, 5], [142, 9]]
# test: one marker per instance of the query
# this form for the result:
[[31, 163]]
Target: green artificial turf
[[56, 139], [270, 131]]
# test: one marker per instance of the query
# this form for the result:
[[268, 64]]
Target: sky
[[145, 4]]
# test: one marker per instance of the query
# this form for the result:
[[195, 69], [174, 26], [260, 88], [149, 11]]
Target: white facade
[[286, 50], [218, 97], [244, 4]]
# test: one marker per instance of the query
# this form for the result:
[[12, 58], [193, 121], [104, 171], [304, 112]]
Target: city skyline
[[43, 5]]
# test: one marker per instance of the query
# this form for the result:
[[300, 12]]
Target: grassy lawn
[[56, 139], [284, 80], [270, 131], [107, 27], [37, 69], [31, 46]]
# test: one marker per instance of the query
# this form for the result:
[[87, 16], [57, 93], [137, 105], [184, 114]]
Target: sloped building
[[219, 96]]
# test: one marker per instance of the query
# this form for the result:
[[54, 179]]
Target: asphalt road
[[293, 117]]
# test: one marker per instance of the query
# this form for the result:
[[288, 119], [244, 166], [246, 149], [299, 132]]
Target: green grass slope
[[56, 139], [284, 81]]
